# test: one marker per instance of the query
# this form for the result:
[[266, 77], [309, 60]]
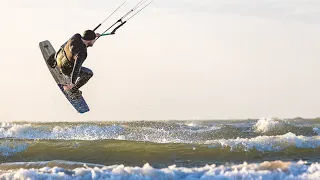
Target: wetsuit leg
[[84, 76]]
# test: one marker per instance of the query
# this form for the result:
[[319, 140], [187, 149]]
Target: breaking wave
[[159, 132], [70, 170]]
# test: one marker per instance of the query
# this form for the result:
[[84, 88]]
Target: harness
[[65, 65], [62, 49]]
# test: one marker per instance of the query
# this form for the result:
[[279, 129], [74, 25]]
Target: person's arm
[[79, 59]]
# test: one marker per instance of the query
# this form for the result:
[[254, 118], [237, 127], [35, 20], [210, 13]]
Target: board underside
[[48, 52]]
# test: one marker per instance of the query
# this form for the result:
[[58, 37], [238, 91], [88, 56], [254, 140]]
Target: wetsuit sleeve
[[79, 59], [79, 53]]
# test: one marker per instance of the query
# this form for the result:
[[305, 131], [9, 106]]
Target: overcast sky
[[181, 59]]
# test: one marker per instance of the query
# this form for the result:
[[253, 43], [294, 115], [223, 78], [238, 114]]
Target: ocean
[[265, 148]]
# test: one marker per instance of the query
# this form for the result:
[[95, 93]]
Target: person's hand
[[98, 35], [67, 87]]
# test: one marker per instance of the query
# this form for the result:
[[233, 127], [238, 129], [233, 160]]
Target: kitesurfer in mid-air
[[72, 54], [69, 60]]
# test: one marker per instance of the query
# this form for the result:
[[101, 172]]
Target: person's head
[[89, 37]]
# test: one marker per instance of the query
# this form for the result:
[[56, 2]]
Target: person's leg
[[52, 61], [84, 76]]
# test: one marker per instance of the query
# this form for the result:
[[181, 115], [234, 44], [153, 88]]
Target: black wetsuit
[[70, 58]]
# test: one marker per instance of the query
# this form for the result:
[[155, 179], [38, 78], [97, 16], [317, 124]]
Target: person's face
[[90, 43]]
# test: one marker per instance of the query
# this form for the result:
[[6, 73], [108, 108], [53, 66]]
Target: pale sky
[[177, 59]]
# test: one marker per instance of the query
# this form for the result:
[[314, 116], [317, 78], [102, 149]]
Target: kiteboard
[[48, 53]]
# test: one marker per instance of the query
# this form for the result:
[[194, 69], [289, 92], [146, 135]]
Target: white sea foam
[[86, 132], [267, 143], [97, 132], [195, 127], [316, 130], [267, 170], [266, 124], [75, 132]]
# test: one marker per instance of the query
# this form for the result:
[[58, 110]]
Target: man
[[70, 58]]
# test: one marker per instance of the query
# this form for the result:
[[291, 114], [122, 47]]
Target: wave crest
[[266, 170]]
